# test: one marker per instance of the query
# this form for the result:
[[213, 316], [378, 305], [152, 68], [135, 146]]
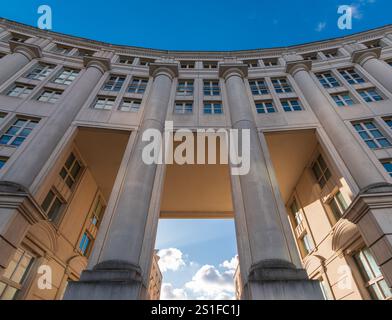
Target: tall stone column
[[371, 210], [272, 274], [380, 70], [118, 273], [22, 54], [18, 209]]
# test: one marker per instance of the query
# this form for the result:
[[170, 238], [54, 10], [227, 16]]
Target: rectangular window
[[185, 88], [213, 108], [296, 213], [325, 290], [251, 63], [66, 76], [130, 105], [370, 95], [270, 62], [114, 83], [311, 56], [307, 243], [328, 80], [126, 60], [388, 166], [281, 85], [71, 170], [375, 283], [15, 274], [183, 107], [187, 65], [291, 105], [321, 171], [18, 132], [265, 107], [211, 88], [85, 244], [138, 85], [371, 135], [351, 76], [331, 54], [52, 205], [40, 71], [343, 99], [104, 103], [258, 87], [388, 121], [84, 53], [210, 64], [61, 49], [146, 62], [20, 90], [337, 205], [49, 95], [3, 161]]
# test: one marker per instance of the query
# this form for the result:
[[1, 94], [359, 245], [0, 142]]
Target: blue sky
[[202, 25], [197, 256]]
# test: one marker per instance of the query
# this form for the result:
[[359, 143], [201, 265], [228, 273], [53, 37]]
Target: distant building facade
[[76, 197]]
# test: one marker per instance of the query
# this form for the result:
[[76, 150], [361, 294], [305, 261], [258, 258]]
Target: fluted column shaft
[[361, 167]]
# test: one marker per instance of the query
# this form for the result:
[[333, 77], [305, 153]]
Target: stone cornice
[[29, 50], [168, 68], [294, 66], [363, 55], [226, 69], [103, 64]]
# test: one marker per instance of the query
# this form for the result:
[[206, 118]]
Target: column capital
[[103, 64], [230, 68], [168, 68], [363, 55], [29, 50], [293, 67]]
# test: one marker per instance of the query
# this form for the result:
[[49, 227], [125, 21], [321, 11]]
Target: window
[[251, 63], [310, 56], [373, 44], [210, 64], [328, 80], [84, 53], [388, 121], [20, 90], [258, 87], [187, 64], [351, 76], [49, 95], [213, 108], [371, 135], [185, 88], [40, 71], [66, 76], [88, 237], [70, 171], [307, 244], [18, 132], [18, 37], [390, 62], [183, 107], [146, 62], [342, 99], [104, 103], [291, 105], [331, 54], [126, 60], [3, 161], [375, 283], [52, 205], [337, 205], [131, 105], [61, 49], [211, 88], [15, 274], [388, 166], [265, 107], [114, 83], [370, 95], [138, 85], [325, 290], [281, 85], [321, 171], [2, 116], [296, 213], [270, 62]]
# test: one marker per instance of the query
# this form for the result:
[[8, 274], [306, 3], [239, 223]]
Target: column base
[[111, 280], [280, 280]]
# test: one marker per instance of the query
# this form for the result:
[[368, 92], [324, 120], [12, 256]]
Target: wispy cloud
[[321, 26], [358, 8]]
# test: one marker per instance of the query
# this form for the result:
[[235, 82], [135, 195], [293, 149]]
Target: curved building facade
[[79, 208]]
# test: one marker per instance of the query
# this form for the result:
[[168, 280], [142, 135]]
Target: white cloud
[[358, 7], [230, 265], [170, 259], [321, 26], [168, 292], [210, 283]]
